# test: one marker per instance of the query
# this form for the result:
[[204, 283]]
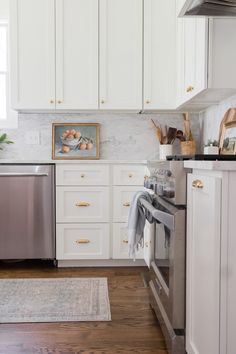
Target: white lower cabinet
[[83, 241], [122, 198], [211, 262], [83, 204], [203, 264], [92, 205], [148, 250], [120, 242]]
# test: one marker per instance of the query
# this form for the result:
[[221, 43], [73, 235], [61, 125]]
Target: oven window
[[162, 251]]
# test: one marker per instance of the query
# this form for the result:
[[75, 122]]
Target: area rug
[[54, 300]]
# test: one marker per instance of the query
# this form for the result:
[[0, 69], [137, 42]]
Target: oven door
[[168, 264]]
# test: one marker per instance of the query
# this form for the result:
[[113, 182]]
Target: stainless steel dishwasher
[[27, 211]]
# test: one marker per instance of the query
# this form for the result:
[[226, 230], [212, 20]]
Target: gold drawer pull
[[125, 241], [82, 204], [189, 89], [82, 175], [198, 184], [127, 204], [130, 175], [82, 241]]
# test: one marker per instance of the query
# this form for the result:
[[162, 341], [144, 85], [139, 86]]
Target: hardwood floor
[[133, 329]]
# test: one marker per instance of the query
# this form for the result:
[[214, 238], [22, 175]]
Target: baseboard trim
[[101, 263]]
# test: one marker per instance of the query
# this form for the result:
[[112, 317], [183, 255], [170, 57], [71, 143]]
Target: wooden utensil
[[180, 135], [171, 135], [158, 132], [187, 130]]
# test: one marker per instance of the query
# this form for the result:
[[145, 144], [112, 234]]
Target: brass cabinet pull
[[125, 241], [130, 175], [127, 204], [82, 175], [59, 101], [82, 204], [189, 89], [82, 241], [198, 184]]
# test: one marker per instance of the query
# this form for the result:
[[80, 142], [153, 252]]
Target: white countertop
[[211, 165], [114, 162]]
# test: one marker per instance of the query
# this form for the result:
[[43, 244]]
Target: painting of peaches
[[75, 141]]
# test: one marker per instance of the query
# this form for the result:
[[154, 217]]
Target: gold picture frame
[[75, 141], [227, 136]]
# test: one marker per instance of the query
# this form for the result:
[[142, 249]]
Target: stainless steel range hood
[[211, 8]]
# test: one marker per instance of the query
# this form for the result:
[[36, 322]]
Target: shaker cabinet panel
[[32, 53], [82, 204], [121, 54], [77, 54], [159, 54], [203, 264]]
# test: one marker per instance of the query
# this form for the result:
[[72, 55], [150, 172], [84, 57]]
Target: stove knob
[[168, 173]]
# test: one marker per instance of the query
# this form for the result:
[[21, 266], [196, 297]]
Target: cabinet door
[[120, 243], [189, 57], [32, 47], [203, 265], [159, 54], [77, 54], [121, 54], [149, 243]]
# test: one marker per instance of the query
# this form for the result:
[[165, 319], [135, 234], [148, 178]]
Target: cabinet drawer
[[128, 175], [120, 243], [122, 198], [82, 204], [82, 175], [82, 241]]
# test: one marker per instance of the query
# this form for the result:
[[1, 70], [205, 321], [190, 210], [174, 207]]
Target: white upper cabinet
[[159, 54], [54, 54], [195, 59], [206, 57], [32, 52], [121, 54], [77, 54]]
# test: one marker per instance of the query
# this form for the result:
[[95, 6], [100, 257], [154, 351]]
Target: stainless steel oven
[[167, 271]]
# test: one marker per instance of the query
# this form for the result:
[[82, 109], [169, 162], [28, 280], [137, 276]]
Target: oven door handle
[[165, 218]]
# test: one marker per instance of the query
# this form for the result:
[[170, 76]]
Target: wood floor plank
[[133, 330]]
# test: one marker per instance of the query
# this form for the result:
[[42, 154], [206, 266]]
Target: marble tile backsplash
[[211, 118], [123, 136]]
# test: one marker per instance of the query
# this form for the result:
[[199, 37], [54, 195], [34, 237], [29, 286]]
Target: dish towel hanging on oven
[[136, 221]]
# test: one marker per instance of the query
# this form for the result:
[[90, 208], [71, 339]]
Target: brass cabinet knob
[[130, 175], [102, 101], [82, 204], [125, 241], [82, 175], [148, 101], [82, 241], [189, 89], [198, 184], [51, 101], [127, 204], [59, 101]]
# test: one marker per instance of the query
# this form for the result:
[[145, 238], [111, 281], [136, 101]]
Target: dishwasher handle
[[22, 174]]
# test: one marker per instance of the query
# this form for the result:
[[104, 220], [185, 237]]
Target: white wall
[[4, 9], [123, 136]]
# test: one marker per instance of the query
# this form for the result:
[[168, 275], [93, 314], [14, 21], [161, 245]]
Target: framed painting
[[75, 141]]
